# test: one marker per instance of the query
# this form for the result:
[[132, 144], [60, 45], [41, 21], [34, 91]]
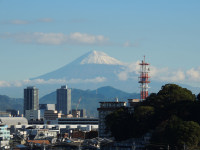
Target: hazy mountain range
[[89, 99]]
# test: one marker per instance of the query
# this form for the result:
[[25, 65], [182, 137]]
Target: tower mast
[[144, 79]]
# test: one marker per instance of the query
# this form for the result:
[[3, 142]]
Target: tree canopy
[[170, 93], [172, 114], [177, 133]]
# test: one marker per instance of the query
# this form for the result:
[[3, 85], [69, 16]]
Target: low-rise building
[[78, 113], [5, 114], [51, 116], [4, 136], [44, 107], [78, 121], [32, 114]]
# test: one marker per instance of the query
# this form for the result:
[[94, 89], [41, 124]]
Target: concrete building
[[51, 116], [4, 114], [4, 136], [32, 114], [133, 102], [31, 99], [9, 121], [13, 112], [64, 100], [105, 109], [44, 107], [78, 113], [78, 121]]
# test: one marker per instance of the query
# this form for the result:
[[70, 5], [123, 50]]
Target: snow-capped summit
[[88, 66], [97, 57]]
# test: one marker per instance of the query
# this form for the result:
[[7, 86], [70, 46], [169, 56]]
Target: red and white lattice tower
[[144, 79]]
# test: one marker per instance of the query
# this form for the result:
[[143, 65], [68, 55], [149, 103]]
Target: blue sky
[[37, 36]]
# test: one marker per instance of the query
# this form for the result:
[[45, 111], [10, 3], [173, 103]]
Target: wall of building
[[64, 100]]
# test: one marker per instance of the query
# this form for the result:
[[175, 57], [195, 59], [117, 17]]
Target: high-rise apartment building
[[31, 99], [64, 100]]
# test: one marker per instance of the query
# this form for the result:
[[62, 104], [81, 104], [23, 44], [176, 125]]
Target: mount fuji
[[93, 65], [93, 70]]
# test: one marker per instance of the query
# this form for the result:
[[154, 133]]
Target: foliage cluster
[[172, 115]]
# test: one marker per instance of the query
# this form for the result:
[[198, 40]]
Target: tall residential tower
[[64, 100], [31, 99]]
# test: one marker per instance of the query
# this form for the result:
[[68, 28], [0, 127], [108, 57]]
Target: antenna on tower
[[144, 79]]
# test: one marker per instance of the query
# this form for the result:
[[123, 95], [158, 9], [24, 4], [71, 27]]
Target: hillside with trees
[[171, 115]]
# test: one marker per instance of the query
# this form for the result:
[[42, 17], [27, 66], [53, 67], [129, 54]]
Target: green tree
[[169, 93], [119, 123], [124, 125], [170, 114], [174, 93], [176, 133], [143, 120], [198, 97]]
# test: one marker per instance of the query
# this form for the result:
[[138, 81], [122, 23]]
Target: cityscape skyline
[[36, 34]]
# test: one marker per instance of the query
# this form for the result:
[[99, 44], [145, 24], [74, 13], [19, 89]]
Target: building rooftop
[[31, 87], [14, 121], [112, 102]]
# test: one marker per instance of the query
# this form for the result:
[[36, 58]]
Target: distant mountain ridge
[[90, 99], [11, 103]]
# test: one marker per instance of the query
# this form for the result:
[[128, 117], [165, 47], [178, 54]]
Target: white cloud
[[93, 80], [4, 84], [128, 71], [86, 38], [56, 38], [123, 75], [129, 44], [165, 74], [18, 22], [22, 22], [171, 76], [132, 70], [30, 82], [45, 20], [27, 82], [42, 81], [48, 38], [193, 75]]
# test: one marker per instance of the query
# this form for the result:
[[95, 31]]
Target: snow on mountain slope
[[89, 66], [96, 57]]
